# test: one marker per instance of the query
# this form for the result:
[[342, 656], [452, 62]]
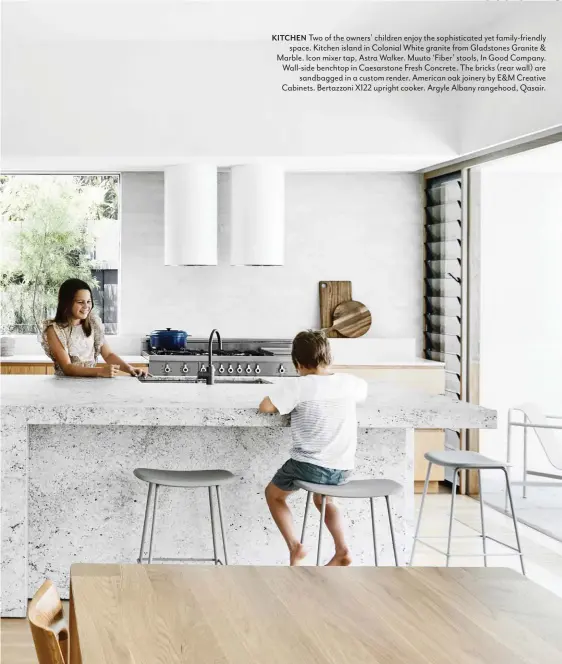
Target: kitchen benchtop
[[43, 359], [414, 362], [139, 359], [125, 400]]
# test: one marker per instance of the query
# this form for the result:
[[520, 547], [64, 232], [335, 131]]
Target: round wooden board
[[351, 319]]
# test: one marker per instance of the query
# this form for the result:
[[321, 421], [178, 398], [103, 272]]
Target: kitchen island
[[70, 445]]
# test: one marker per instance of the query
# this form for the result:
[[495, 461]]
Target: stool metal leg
[[372, 502], [145, 525], [213, 526], [451, 515], [387, 498], [425, 487], [153, 523], [508, 454], [322, 517], [222, 524], [508, 488], [308, 494], [525, 460], [482, 518]]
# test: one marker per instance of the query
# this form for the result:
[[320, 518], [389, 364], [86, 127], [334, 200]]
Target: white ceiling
[[228, 20], [26, 22]]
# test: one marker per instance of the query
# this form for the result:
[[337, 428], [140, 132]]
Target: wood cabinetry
[[426, 378], [19, 368], [38, 368]]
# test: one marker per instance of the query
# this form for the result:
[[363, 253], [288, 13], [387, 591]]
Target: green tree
[[48, 235]]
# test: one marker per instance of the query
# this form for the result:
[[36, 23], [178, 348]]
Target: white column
[[190, 215], [257, 215]]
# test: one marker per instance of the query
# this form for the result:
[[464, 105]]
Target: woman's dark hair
[[67, 291], [311, 349]]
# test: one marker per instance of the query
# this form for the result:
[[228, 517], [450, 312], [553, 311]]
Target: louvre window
[[443, 284]]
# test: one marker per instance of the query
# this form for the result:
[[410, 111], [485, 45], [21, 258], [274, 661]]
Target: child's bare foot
[[340, 559], [298, 553]]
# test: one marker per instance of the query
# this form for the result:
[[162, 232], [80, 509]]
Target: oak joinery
[[430, 380], [19, 368], [41, 369]]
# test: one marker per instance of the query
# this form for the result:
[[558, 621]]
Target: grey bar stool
[[370, 489], [461, 460], [185, 479]]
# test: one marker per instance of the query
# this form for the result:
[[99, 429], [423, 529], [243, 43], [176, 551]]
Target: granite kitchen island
[[70, 445]]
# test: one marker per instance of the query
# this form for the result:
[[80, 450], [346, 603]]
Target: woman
[[74, 338]]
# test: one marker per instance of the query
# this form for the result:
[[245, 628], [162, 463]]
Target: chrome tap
[[210, 368]]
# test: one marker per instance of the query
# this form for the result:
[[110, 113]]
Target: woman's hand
[[108, 371], [137, 371]]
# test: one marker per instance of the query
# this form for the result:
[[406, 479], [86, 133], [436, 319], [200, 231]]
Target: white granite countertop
[[43, 359], [124, 400]]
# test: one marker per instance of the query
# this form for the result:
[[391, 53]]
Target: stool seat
[[185, 478], [353, 489], [458, 461], [461, 459], [371, 489]]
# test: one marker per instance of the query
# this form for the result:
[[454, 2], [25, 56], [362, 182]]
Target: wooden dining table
[[152, 614]]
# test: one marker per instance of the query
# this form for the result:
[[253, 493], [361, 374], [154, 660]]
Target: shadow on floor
[[541, 510]]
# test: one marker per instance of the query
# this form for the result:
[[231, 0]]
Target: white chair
[[549, 435]]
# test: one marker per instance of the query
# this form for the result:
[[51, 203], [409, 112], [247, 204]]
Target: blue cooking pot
[[168, 339]]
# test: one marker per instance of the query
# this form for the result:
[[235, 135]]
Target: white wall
[[488, 119], [521, 333], [366, 228]]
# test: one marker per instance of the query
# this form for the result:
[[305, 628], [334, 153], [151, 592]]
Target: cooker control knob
[[185, 369], [257, 369], [239, 369], [248, 369], [230, 369], [167, 368], [221, 369], [282, 369]]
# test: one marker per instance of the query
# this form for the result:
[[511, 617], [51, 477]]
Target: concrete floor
[[541, 509]]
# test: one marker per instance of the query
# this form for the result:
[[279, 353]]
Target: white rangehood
[[190, 215], [257, 215]]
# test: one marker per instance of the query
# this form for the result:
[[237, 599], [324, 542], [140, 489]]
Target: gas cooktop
[[236, 358]]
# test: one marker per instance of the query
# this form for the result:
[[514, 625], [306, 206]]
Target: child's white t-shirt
[[323, 417]]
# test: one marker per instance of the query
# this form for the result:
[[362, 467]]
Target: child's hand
[[137, 371], [108, 371], [267, 406]]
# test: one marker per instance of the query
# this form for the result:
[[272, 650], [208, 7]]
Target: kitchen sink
[[237, 380], [193, 380]]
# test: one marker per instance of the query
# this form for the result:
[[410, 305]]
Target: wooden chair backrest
[[48, 626]]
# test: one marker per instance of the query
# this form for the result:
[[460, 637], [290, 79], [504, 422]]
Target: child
[[75, 338], [324, 432]]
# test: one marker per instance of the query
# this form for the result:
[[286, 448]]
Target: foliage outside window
[[55, 227]]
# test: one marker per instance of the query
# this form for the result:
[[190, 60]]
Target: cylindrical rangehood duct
[[190, 215], [257, 215]]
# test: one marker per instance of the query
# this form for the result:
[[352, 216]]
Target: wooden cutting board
[[351, 319], [332, 293]]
